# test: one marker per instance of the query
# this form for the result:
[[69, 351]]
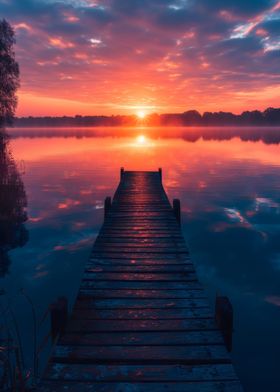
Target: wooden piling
[[177, 210], [224, 319], [160, 173], [121, 172], [59, 317], [107, 205]]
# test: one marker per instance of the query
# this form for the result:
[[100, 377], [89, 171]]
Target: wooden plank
[[89, 290], [175, 257], [184, 276], [144, 256], [139, 247], [140, 225], [216, 386], [141, 275], [140, 260], [116, 284], [137, 354], [87, 325], [138, 213], [95, 267], [142, 338], [141, 314], [136, 373], [129, 234], [141, 229], [126, 234], [138, 243], [86, 301]]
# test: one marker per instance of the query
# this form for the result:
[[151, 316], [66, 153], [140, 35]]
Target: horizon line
[[148, 114]]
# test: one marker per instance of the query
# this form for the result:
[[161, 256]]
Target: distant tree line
[[269, 117]]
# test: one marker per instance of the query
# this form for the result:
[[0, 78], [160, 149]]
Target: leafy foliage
[[9, 74]]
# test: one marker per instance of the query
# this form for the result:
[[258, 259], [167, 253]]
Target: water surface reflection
[[229, 191], [13, 204]]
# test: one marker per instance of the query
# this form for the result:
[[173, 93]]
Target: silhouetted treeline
[[269, 117]]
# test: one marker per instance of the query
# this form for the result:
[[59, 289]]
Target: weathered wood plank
[[144, 256], [160, 230], [121, 276], [137, 354], [136, 373], [130, 284], [95, 267], [169, 276], [116, 238], [140, 260], [88, 289], [87, 325], [141, 235], [215, 386], [86, 301], [139, 243], [142, 338], [139, 247], [142, 314], [121, 251]]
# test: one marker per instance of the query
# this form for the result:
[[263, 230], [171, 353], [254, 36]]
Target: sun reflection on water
[[141, 140]]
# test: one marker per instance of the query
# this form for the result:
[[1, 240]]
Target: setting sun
[[141, 114]]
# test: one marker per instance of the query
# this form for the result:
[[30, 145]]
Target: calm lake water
[[228, 181]]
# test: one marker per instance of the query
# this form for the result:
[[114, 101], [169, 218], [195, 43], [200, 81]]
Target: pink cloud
[[123, 54], [68, 203]]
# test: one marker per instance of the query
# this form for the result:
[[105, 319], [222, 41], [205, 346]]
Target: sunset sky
[[122, 56]]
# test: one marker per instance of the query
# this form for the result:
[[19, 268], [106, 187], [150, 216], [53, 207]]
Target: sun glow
[[141, 140], [141, 114]]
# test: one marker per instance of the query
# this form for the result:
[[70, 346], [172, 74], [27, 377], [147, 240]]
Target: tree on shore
[[9, 74], [13, 200]]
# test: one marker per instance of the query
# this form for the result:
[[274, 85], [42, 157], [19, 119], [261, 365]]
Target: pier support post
[[160, 173], [107, 205], [177, 210], [224, 319], [59, 317], [122, 172]]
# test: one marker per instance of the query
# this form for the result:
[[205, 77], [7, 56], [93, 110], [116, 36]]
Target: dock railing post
[[177, 210], [107, 205], [59, 317], [224, 319], [122, 172], [160, 173]]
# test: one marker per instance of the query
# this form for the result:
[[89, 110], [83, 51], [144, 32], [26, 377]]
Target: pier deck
[[141, 321]]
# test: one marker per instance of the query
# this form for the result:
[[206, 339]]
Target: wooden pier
[[141, 321]]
